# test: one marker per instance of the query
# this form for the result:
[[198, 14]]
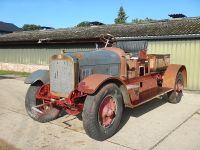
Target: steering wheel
[[107, 39]]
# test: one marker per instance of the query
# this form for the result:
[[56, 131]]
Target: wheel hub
[[107, 111], [179, 87]]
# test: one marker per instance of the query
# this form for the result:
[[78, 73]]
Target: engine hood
[[96, 57], [97, 61]]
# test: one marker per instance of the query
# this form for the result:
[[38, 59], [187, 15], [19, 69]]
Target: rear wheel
[[176, 95], [102, 112], [40, 114]]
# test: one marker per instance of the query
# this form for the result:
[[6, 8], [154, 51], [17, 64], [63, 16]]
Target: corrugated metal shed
[[36, 55], [186, 52]]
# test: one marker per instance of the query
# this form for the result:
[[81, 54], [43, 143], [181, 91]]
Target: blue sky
[[68, 13]]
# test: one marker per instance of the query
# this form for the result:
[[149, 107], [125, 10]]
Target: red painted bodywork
[[69, 104]]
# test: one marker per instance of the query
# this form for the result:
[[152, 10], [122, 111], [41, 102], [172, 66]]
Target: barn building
[[30, 50]]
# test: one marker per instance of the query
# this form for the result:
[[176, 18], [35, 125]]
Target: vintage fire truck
[[99, 84]]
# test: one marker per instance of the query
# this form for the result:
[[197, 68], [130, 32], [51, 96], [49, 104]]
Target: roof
[[8, 27], [165, 28]]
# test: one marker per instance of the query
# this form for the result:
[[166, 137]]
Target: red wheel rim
[[179, 87], [107, 111]]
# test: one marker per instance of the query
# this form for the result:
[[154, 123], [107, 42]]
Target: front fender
[[92, 83], [39, 75]]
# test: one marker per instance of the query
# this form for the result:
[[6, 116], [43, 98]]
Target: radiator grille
[[62, 77]]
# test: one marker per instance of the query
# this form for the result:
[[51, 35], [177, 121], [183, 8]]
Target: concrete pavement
[[154, 125]]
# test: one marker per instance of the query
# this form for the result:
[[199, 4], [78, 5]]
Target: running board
[[155, 93]]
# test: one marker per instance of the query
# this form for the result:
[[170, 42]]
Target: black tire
[[172, 96], [90, 115], [30, 101]]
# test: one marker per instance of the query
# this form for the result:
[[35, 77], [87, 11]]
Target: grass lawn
[[6, 72]]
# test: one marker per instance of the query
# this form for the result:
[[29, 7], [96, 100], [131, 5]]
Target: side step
[[151, 94]]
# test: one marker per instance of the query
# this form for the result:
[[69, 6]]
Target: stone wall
[[21, 67]]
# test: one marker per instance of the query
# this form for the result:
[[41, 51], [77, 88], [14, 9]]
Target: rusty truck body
[[99, 84]]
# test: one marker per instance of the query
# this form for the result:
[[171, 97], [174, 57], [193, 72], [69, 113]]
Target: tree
[[84, 24], [30, 27], [136, 20], [121, 18], [146, 20], [88, 24]]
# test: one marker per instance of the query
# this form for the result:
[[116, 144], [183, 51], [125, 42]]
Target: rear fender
[[39, 75], [92, 83], [170, 74]]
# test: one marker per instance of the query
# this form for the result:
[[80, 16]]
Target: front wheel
[[42, 114], [102, 112]]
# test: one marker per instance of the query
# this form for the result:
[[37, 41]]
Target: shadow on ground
[[128, 112], [141, 110]]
